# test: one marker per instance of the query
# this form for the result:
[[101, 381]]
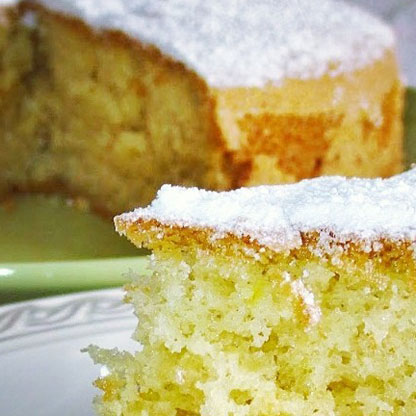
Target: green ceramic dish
[[20, 281], [48, 247]]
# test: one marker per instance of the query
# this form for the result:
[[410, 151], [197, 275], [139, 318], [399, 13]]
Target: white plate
[[42, 371]]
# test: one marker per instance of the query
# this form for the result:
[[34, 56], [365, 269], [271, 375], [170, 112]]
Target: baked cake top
[[362, 210], [245, 43]]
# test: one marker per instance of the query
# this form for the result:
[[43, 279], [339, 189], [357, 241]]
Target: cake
[[109, 99], [292, 300]]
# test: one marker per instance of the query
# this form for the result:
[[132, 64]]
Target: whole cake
[[294, 300], [109, 99]]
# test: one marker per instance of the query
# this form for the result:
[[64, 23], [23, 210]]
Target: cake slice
[[275, 300]]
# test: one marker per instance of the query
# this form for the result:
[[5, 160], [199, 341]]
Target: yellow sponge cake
[[294, 300], [110, 99]]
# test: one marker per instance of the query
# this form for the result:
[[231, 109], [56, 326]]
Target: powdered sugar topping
[[311, 308], [245, 43], [275, 216]]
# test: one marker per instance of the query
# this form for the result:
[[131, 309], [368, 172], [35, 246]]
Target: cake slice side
[[232, 324]]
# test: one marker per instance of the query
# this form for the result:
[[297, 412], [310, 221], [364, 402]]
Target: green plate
[[49, 247]]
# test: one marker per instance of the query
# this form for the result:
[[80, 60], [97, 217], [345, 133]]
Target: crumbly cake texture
[[108, 100], [243, 316], [297, 39]]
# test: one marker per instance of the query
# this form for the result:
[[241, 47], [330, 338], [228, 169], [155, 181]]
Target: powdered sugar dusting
[[245, 43], [275, 216], [308, 299]]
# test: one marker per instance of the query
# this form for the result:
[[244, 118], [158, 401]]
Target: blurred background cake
[[108, 100]]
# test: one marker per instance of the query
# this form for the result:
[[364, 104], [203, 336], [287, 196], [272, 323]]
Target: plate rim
[[30, 322]]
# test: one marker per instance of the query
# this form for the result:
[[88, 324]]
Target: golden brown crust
[[373, 257], [291, 137], [306, 128]]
